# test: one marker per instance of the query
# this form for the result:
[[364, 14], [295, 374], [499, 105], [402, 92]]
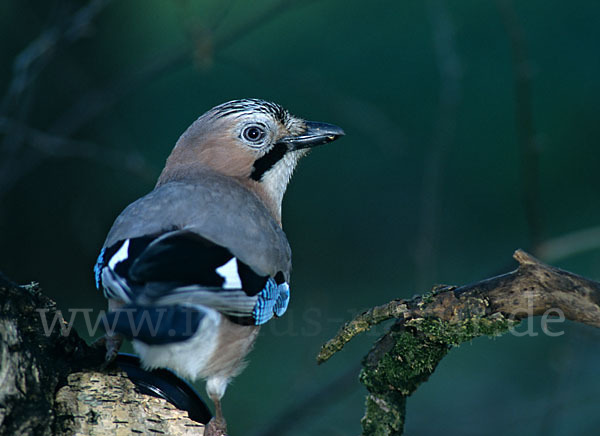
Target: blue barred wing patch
[[98, 269], [272, 301]]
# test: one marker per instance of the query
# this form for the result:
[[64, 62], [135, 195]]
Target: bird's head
[[254, 141]]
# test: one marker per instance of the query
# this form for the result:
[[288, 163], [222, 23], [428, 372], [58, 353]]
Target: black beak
[[316, 134]]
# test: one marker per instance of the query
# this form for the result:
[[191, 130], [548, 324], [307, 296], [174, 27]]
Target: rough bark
[[428, 326], [51, 384], [98, 404]]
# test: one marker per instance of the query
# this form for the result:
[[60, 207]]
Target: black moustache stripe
[[265, 163]]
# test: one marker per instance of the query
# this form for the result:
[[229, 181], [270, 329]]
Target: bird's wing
[[183, 268], [209, 244]]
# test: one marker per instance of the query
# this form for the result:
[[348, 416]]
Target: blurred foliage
[[426, 187]]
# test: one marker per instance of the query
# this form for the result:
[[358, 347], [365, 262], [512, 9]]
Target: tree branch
[[428, 326], [530, 290], [51, 385]]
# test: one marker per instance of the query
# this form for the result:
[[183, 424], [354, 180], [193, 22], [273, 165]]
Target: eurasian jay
[[192, 269]]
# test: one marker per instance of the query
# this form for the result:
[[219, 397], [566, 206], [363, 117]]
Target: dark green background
[[408, 81]]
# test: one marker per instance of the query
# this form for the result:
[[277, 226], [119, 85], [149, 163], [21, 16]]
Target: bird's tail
[[156, 325]]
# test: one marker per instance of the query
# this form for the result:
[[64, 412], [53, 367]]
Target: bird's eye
[[253, 133]]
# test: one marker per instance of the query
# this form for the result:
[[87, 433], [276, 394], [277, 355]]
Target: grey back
[[216, 207]]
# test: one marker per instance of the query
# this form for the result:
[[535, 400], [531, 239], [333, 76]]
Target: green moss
[[398, 363], [429, 297], [406, 356], [463, 331], [384, 415]]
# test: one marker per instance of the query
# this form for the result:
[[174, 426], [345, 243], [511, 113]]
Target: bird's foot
[[112, 345], [216, 427]]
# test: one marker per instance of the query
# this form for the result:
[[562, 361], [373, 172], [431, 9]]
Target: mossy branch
[[428, 326], [530, 290]]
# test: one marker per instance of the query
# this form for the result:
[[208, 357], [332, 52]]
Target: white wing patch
[[120, 255], [229, 272]]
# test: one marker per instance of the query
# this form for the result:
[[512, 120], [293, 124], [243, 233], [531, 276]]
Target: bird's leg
[[112, 343], [217, 425]]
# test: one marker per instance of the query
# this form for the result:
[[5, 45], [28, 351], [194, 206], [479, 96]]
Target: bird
[[194, 268]]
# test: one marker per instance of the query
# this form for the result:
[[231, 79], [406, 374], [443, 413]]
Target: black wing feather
[[157, 263], [182, 257], [252, 282]]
